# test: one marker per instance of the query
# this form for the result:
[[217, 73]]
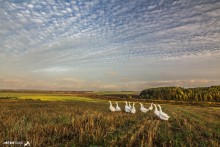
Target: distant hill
[[185, 94]]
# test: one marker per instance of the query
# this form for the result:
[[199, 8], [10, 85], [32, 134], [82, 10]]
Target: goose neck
[[159, 107], [155, 107]]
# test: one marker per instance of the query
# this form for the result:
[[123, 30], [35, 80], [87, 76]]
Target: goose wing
[[151, 107], [112, 108], [127, 109], [156, 112], [163, 118], [163, 114], [144, 109], [133, 110], [118, 108]]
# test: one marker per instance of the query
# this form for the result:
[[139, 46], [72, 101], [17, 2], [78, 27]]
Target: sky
[[105, 45]]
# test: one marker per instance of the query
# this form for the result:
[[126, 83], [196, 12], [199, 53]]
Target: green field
[[83, 121], [43, 96]]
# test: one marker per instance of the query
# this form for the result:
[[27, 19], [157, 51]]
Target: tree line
[[183, 94]]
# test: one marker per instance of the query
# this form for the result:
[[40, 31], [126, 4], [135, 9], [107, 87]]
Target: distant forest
[[183, 94]]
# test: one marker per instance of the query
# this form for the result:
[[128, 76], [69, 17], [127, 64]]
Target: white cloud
[[55, 69], [152, 7], [69, 10], [76, 8], [38, 21], [30, 6], [53, 36]]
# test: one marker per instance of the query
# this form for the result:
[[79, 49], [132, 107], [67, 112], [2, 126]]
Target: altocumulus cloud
[[141, 40]]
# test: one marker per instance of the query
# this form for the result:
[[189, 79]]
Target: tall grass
[[77, 123]]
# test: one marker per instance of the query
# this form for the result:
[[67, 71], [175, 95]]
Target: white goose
[[117, 107], [133, 110], [111, 107], [144, 110], [151, 107], [156, 112], [163, 115], [160, 115], [127, 108]]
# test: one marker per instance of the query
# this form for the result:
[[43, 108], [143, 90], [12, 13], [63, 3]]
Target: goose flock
[[131, 109]]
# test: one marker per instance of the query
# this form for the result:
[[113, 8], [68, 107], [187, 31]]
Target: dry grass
[[77, 123]]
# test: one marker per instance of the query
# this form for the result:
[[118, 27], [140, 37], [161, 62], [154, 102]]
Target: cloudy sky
[[109, 44]]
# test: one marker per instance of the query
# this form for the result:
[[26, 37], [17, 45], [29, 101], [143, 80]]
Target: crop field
[[45, 96], [81, 121]]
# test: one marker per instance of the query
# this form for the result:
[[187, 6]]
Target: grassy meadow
[[72, 120]]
